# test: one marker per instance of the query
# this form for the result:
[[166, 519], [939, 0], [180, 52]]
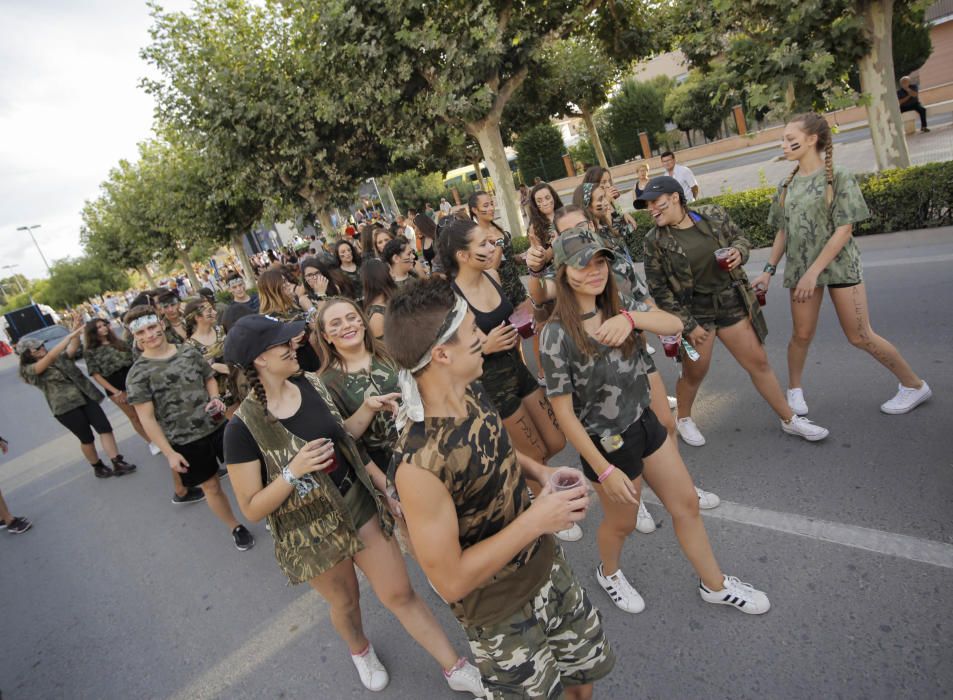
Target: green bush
[[540, 153]]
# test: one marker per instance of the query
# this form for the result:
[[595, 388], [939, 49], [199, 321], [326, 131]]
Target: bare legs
[[693, 373], [109, 445], [742, 342], [533, 429], [218, 502], [133, 417]]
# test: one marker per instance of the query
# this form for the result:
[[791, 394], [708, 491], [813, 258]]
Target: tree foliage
[[698, 104], [413, 189], [912, 45], [638, 106], [74, 280], [540, 152]]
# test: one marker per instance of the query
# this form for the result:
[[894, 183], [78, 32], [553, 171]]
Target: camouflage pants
[[555, 640]]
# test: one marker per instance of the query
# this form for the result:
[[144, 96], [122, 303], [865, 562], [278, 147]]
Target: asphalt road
[[115, 593]]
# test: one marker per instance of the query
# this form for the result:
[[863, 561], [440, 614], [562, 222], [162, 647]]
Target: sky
[[70, 109]]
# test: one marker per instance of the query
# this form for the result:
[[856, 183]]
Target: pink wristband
[[629, 318], [605, 475]]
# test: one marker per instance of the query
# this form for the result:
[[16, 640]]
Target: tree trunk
[[594, 137], [327, 228], [248, 272], [479, 173], [487, 134], [190, 271], [877, 85], [148, 275]]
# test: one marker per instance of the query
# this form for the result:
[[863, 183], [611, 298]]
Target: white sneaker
[[649, 349], [465, 678], [743, 596], [804, 428], [707, 500], [906, 399], [672, 403], [372, 672], [644, 523], [570, 534], [796, 401], [689, 432], [154, 449], [620, 590]]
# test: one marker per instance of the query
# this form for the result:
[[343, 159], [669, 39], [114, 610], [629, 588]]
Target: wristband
[[303, 486], [605, 475], [629, 318], [770, 269]]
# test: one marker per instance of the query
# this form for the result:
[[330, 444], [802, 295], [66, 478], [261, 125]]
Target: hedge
[[902, 199]]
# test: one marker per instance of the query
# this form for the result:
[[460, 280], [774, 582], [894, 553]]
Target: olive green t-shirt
[[809, 223], [700, 250]]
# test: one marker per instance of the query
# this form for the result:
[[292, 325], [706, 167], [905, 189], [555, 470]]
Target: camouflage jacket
[[627, 278], [473, 458], [510, 274], [63, 384], [609, 391], [106, 360], [315, 532], [349, 390], [176, 388], [670, 276], [809, 223]]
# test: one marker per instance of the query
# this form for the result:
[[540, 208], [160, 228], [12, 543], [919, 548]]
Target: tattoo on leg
[[862, 324]]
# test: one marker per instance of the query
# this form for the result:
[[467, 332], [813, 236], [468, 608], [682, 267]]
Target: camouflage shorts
[[555, 640], [719, 310], [508, 381]]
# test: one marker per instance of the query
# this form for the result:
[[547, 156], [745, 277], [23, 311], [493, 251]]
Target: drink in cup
[[565, 479], [215, 413], [334, 459], [523, 323], [762, 295], [722, 255], [670, 344]]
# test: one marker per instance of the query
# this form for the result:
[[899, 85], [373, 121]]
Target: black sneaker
[[18, 526], [101, 470], [193, 495], [121, 466], [243, 538]]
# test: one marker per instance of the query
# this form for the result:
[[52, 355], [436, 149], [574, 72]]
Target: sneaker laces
[[619, 581], [905, 392], [737, 586]]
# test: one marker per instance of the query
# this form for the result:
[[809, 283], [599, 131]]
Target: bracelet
[[303, 486], [628, 317], [770, 269], [605, 475], [536, 273]]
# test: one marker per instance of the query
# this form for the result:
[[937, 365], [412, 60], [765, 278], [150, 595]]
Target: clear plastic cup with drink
[[762, 295], [670, 344], [723, 256], [334, 458], [565, 479]]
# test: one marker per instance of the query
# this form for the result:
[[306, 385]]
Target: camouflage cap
[[30, 344], [577, 246]]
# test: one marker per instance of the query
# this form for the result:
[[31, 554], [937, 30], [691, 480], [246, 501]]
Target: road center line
[[879, 541]]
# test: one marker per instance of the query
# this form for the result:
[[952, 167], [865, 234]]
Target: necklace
[[589, 314]]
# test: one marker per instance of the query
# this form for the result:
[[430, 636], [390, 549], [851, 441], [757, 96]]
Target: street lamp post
[[14, 277], [29, 229]]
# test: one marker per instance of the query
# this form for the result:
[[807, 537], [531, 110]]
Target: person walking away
[[685, 177]]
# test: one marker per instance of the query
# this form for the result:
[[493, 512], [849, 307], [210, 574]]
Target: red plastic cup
[[215, 414], [565, 479], [762, 295], [523, 323], [334, 461], [670, 344], [722, 255]]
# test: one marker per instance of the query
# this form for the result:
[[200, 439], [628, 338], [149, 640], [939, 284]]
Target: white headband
[[141, 322], [412, 405]]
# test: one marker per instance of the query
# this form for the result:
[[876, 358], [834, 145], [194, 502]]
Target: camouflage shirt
[[609, 391], [176, 388], [106, 360], [510, 274], [63, 384], [213, 353], [349, 389], [623, 265], [809, 223], [473, 457]]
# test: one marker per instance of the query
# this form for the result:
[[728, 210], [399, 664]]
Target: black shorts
[[640, 440], [842, 285], [203, 456], [507, 381], [118, 379], [81, 421]]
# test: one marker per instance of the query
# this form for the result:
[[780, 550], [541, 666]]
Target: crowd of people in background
[[374, 387]]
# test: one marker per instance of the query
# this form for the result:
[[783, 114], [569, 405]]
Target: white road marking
[[879, 541]]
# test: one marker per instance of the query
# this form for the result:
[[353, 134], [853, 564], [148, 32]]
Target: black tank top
[[430, 254], [488, 320]]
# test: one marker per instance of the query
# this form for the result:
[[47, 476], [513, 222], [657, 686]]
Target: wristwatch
[[771, 269]]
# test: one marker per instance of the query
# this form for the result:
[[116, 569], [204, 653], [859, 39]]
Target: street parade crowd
[[371, 401]]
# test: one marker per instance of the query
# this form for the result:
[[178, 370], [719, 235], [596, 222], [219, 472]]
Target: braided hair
[[258, 389], [813, 124]]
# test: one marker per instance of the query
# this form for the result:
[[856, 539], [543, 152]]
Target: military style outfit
[[684, 279], [72, 397], [531, 627], [349, 390], [213, 353], [109, 362], [176, 388], [809, 222]]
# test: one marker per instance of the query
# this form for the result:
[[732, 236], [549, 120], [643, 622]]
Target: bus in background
[[465, 179]]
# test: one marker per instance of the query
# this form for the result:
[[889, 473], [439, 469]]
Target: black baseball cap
[[252, 335], [663, 184]]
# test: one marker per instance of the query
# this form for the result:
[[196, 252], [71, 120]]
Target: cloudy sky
[[70, 108]]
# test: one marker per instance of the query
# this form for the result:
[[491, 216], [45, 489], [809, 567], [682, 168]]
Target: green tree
[[74, 280], [540, 152], [413, 189], [638, 106], [459, 64], [697, 104], [912, 45]]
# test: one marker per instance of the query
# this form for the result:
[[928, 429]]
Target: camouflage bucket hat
[[577, 246], [29, 344]]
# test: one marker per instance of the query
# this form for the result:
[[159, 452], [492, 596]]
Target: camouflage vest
[[712, 221], [321, 514]]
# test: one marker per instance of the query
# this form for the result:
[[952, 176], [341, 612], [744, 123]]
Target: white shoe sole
[[614, 602], [689, 442], [809, 438], [746, 610], [900, 412]]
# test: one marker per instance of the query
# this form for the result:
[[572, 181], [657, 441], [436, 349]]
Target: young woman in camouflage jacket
[[814, 212]]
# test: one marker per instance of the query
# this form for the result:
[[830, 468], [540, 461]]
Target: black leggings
[[81, 421]]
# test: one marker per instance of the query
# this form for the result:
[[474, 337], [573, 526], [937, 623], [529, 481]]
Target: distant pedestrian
[[814, 212], [685, 177], [641, 181], [909, 97]]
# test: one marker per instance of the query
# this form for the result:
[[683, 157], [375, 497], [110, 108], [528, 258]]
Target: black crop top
[[488, 320]]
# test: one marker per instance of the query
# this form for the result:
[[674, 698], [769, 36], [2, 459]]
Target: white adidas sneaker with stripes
[[738, 594]]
